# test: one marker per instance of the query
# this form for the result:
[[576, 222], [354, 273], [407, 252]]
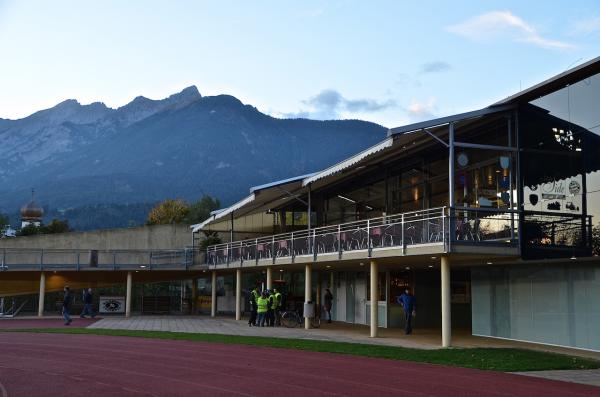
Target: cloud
[[587, 26], [435, 67], [504, 25], [421, 110], [331, 104]]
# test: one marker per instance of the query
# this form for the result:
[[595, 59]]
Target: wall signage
[[112, 304]]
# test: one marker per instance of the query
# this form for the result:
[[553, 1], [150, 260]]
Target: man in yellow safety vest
[[261, 308]]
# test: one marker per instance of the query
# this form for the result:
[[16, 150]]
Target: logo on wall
[[112, 304], [574, 187], [554, 191]]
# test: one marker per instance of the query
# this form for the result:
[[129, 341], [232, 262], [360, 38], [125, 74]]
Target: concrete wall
[[138, 238]]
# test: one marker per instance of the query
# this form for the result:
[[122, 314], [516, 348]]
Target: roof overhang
[[349, 162], [261, 199]]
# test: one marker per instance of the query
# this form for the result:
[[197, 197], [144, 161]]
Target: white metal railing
[[431, 226]]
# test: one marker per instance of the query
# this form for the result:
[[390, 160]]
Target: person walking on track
[[66, 306], [88, 300]]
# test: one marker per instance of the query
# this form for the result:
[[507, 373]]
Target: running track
[[89, 365]]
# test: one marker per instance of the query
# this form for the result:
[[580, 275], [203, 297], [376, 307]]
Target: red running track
[[90, 365], [19, 323]]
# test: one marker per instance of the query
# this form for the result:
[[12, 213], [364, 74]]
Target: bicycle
[[293, 318]]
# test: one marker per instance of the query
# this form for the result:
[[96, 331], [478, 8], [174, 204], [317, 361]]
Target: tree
[[168, 212], [56, 226], [29, 230], [210, 238], [4, 221], [201, 209]]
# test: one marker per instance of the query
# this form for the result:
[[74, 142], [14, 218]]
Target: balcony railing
[[431, 226]]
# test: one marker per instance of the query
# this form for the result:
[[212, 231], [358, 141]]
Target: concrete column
[[446, 306], [269, 277], [194, 295], [213, 300], [374, 298], [238, 294], [42, 294], [307, 290], [128, 298]]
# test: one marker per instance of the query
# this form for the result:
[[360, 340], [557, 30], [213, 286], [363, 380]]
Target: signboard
[[112, 304]]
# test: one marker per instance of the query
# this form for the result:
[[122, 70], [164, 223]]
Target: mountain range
[[92, 156]]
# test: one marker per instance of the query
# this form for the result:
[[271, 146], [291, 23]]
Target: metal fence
[[73, 259]]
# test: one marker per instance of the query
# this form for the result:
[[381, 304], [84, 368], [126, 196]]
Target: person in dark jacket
[[66, 306], [254, 295], [88, 300], [408, 303], [328, 303]]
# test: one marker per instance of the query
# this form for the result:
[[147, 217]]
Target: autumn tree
[[168, 212]]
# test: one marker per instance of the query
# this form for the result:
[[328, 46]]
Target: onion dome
[[32, 211]]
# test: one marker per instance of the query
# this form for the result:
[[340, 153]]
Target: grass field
[[495, 359]]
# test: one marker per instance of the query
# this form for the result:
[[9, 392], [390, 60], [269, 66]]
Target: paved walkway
[[587, 377]]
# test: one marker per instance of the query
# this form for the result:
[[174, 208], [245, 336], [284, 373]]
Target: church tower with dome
[[31, 213]]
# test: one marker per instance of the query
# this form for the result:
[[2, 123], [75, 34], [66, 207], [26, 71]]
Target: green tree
[[168, 212], [201, 209], [4, 221], [210, 238], [29, 230], [56, 226]]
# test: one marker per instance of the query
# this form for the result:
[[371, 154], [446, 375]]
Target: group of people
[[88, 308], [265, 308]]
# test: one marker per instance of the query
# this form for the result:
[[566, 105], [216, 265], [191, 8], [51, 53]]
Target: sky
[[390, 62]]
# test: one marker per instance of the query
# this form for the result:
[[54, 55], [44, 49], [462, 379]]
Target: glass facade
[[555, 304], [559, 165]]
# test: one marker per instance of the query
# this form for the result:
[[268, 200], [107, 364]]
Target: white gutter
[[349, 162], [199, 226]]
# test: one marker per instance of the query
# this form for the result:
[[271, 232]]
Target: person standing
[[408, 303], [261, 308], [277, 312], [66, 306], [254, 295], [271, 309], [88, 300], [328, 303]]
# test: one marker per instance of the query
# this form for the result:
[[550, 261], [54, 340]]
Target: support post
[[42, 294], [194, 295], [446, 307], [374, 298], [307, 290], [128, 297], [213, 290], [269, 277], [238, 294]]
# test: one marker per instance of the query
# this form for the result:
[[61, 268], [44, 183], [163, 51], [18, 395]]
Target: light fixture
[[489, 263], [407, 268], [361, 264], [434, 257], [281, 270], [573, 258], [328, 267], [347, 199], [430, 266], [143, 266]]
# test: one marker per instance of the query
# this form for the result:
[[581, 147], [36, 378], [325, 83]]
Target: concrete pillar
[[128, 297], [194, 295], [238, 294], [269, 277], [374, 298], [213, 300], [446, 305], [307, 290], [42, 294]]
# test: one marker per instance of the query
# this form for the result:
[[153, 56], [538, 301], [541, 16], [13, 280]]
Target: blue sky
[[392, 62]]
